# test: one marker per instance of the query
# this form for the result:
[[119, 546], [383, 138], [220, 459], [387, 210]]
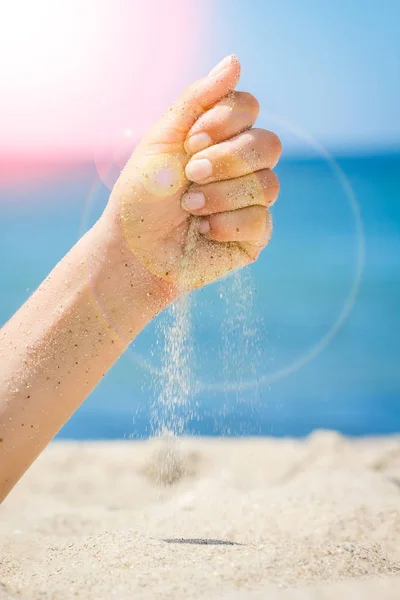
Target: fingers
[[196, 99], [247, 152], [230, 116], [260, 188], [219, 258], [244, 225]]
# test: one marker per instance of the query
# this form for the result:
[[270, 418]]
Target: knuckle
[[257, 213], [267, 138], [276, 144], [191, 98], [272, 188], [271, 141], [273, 182], [269, 226], [249, 101], [261, 223]]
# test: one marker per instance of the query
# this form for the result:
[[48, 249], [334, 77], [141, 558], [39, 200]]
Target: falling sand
[[174, 403], [172, 408], [180, 518]]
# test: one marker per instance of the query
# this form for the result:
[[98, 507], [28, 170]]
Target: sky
[[86, 76], [330, 68]]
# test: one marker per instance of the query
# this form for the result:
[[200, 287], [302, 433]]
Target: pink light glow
[[83, 77]]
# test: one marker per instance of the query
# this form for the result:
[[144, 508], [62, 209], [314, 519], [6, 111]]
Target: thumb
[[174, 126]]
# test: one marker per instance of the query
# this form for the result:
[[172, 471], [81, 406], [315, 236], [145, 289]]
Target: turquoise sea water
[[260, 363]]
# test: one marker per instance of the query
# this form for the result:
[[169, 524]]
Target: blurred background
[[309, 337]]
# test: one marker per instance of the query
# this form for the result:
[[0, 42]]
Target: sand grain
[[251, 518]]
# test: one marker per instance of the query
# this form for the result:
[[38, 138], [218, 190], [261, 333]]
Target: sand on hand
[[239, 518]]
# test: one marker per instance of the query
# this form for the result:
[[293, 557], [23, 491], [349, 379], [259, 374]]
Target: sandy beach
[[208, 518]]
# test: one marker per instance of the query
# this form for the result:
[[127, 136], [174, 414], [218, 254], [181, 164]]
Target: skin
[[201, 172]]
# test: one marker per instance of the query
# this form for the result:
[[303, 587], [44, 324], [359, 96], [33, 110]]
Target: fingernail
[[193, 200], [220, 66], [204, 226], [198, 169], [197, 142]]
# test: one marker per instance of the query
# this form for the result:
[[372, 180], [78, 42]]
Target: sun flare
[[76, 74], [41, 40]]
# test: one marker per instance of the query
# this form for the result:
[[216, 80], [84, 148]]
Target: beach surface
[[206, 518]]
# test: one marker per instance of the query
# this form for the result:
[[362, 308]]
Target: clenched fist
[[192, 202]]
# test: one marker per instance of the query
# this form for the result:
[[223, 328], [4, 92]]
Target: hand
[[193, 199], [190, 205]]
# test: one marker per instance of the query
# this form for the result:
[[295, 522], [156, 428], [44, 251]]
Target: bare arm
[[60, 344], [201, 164]]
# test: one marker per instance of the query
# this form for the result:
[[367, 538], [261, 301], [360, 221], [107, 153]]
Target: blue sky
[[95, 69], [329, 67]]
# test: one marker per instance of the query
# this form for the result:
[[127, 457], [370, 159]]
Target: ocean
[[306, 338]]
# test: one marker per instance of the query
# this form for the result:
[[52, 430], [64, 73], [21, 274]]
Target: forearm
[[60, 344], [202, 159]]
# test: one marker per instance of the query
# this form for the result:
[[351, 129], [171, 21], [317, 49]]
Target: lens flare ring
[[158, 185]]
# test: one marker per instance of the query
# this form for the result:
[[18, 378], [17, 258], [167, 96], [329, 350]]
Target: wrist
[[127, 295]]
